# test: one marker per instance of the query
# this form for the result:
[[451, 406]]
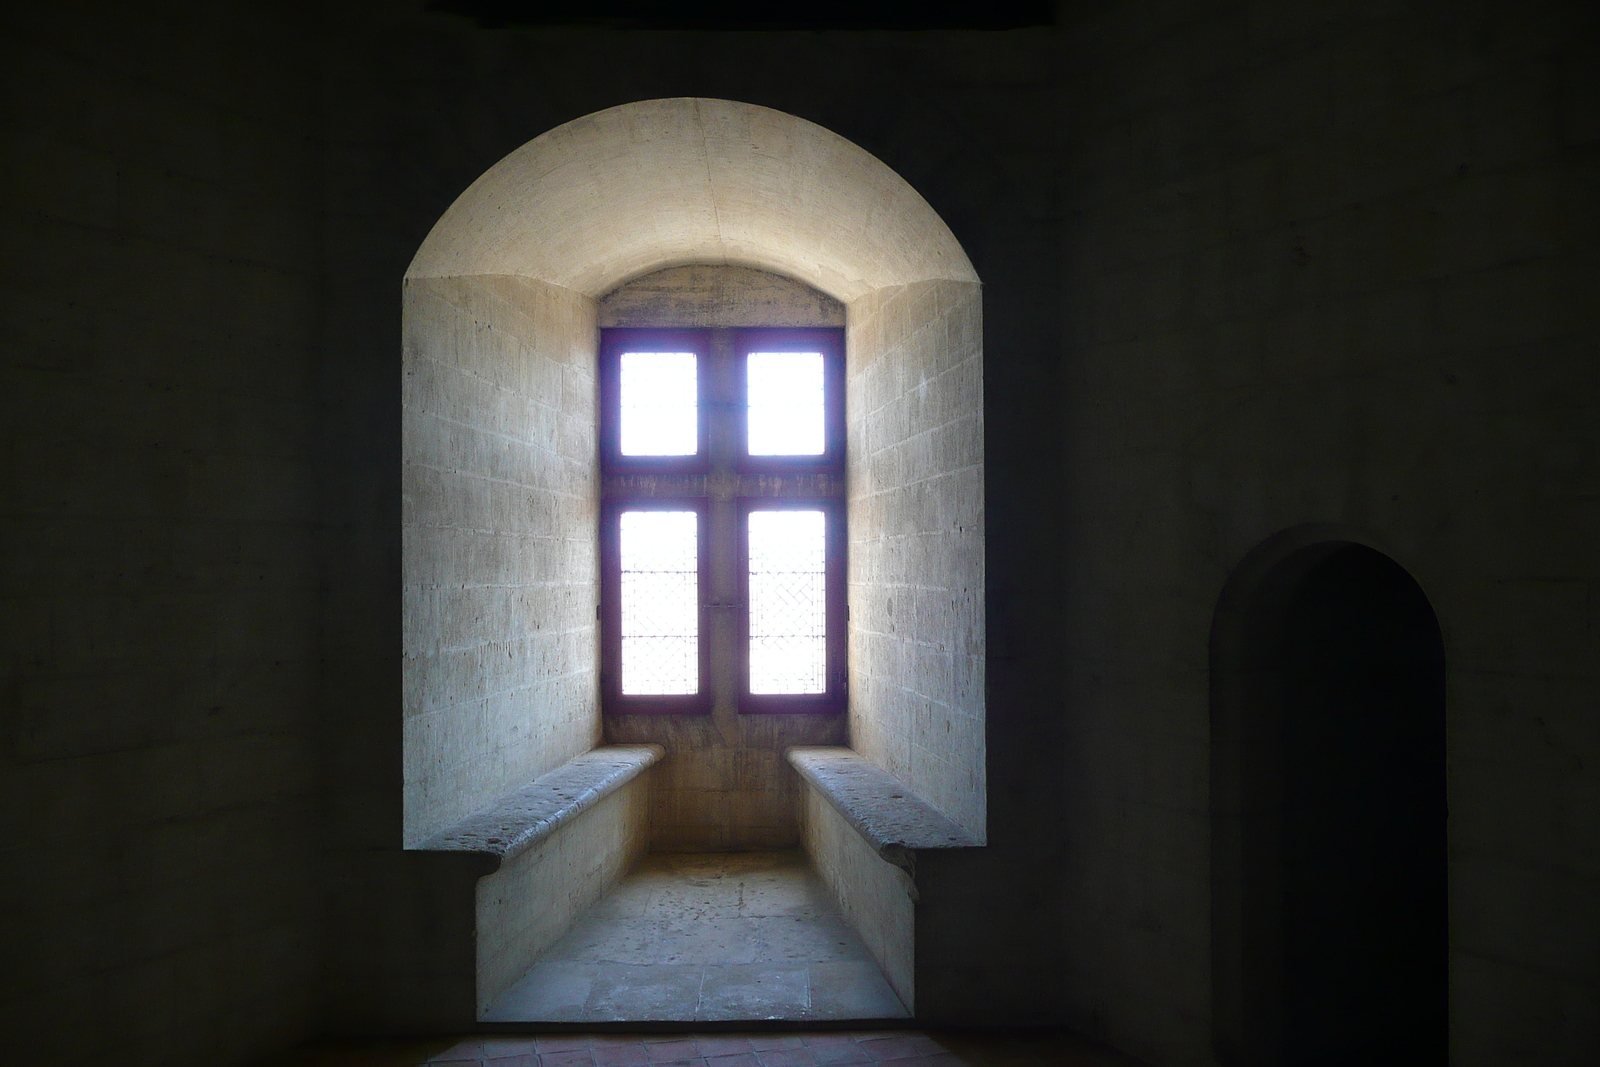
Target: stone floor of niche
[[702, 938]]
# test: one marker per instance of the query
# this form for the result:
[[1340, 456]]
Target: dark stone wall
[[1246, 267], [1333, 264], [161, 349]]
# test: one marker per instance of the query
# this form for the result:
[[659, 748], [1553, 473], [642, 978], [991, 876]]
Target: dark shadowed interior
[[1365, 910]]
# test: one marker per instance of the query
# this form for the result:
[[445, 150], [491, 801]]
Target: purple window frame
[[678, 474]]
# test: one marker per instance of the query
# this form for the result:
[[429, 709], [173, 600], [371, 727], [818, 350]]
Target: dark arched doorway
[[1330, 893]]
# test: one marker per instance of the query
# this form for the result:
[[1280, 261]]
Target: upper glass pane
[[660, 404], [786, 404], [788, 602], [660, 602]]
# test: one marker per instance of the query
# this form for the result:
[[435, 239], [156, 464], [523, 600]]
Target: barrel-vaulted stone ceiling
[[646, 185]]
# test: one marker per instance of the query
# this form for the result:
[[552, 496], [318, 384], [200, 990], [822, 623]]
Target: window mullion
[[725, 607]]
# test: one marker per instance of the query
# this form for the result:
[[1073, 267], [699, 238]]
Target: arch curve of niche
[[500, 473]]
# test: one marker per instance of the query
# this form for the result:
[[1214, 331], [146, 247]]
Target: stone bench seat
[[485, 896], [901, 869], [521, 820], [893, 820]]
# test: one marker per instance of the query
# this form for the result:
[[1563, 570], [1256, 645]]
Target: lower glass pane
[[788, 602], [660, 603]]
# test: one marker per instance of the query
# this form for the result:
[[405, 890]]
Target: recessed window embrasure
[[722, 456]]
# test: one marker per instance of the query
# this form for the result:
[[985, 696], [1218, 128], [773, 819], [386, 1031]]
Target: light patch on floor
[[707, 937]]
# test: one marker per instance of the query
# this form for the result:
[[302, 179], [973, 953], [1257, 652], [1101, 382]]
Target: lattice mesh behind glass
[[785, 403], [788, 602], [660, 400], [660, 603]]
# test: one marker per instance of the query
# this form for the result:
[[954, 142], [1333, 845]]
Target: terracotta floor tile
[[560, 1043], [621, 1055], [507, 1045], [578, 1057], [840, 1054], [787, 1057], [673, 1050], [902, 1047], [763, 1042], [722, 1044], [733, 1059]]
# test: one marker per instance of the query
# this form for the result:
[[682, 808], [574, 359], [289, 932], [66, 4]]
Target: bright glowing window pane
[[785, 399], [660, 404], [788, 602], [660, 603]]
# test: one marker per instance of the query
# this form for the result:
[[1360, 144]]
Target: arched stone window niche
[[500, 474]]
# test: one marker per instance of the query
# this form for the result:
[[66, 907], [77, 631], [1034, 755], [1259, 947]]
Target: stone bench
[[888, 855], [488, 895], [515, 823], [888, 816]]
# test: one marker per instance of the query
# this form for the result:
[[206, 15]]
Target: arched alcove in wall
[[1330, 909], [500, 461]]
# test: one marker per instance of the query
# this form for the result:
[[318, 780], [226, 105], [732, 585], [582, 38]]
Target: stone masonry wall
[[501, 566], [876, 898], [915, 410], [1335, 264], [158, 604]]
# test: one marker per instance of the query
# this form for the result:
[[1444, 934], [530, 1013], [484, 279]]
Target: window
[[722, 527]]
